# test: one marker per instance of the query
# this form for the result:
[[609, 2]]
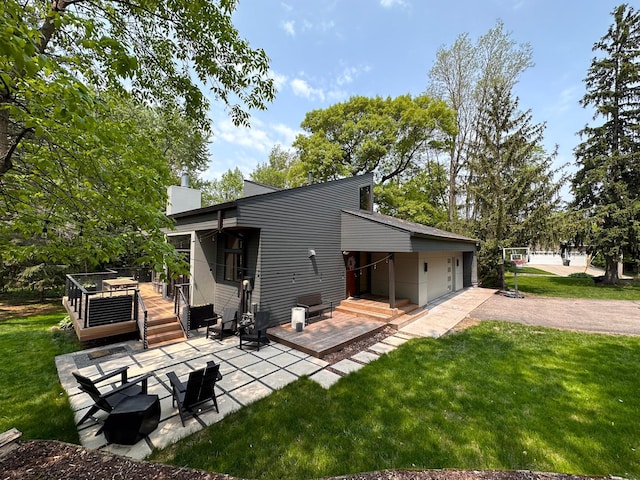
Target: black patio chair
[[196, 391], [228, 323], [258, 332], [109, 399]]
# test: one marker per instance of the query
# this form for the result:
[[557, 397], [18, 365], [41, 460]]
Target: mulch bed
[[39, 459]]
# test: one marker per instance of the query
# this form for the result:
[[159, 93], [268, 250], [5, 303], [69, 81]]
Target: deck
[[327, 335], [156, 305]]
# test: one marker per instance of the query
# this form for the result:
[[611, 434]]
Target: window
[[233, 259], [365, 198]]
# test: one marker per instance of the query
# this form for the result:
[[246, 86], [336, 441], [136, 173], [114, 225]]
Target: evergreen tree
[[514, 192], [607, 184]]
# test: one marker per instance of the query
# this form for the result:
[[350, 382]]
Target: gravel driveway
[[603, 316]]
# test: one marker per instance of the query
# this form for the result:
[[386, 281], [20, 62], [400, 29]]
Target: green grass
[[529, 271], [31, 398], [574, 287], [496, 396]]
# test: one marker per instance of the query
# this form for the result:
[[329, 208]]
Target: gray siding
[[291, 223], [358, 232]]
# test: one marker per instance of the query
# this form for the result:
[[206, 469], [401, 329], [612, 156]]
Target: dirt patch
[[32, 460], [10, 309]]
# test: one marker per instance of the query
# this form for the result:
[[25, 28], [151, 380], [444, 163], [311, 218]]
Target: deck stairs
[[379, 309], [163, 327], [164, 331]]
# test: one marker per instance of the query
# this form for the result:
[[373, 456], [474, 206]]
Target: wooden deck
[[157, 308], [327, 335]]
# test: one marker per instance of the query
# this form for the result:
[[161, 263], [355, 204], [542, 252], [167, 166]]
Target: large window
[[233, 259]]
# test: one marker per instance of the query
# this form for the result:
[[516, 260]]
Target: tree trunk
[[611, 272]]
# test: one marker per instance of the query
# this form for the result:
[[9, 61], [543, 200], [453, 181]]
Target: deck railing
[[95, 306], [142, 319], [181, 305]]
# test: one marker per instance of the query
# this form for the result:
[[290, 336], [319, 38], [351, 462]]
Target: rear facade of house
[[264, 250]]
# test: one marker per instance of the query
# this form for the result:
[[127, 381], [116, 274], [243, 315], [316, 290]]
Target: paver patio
[[248, 375]]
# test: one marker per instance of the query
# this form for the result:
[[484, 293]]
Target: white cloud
[[349, 74], [255, 137], [279, 80], [287, 134], [392, 3], [302, 89], [289, 27]]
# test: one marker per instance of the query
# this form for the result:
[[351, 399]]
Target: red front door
[[352, 275]]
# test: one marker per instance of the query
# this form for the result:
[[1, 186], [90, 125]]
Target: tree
[[384, 136], [419, 196], [607, 184], [514, 192], [276, 172], [82, 180], [463, 75], [228, 188]]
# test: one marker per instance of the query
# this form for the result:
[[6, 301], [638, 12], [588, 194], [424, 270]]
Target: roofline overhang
[[205, 210]]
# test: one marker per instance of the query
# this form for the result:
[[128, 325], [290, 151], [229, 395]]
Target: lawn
[[31, 398], [496, 396], [574, 287]]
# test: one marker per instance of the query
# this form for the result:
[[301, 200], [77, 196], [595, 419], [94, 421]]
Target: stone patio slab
[[347, 366], [278, 379], [325, 378]]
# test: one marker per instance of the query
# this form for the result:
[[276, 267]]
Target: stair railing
[[142, 318], [181, 306]]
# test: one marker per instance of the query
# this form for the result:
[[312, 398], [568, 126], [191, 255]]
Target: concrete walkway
[[446, 312]]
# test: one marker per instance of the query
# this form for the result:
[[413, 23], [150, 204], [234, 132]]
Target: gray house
[[271, 246]]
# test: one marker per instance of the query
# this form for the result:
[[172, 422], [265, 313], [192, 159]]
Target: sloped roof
[[414, 229]]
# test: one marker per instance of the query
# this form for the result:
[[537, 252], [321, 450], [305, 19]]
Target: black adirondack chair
[[258, 333], [108, 399], [227, 323], [196, 391]]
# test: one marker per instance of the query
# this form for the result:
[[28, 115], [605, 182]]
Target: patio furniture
[[108, 400], [257, 333], [228, 323], [132, 419], [198, 390], [313, 305], [202, 316]]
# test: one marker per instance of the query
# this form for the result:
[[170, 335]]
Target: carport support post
[[392, 282]]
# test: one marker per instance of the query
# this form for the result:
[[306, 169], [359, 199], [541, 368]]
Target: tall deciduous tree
[[514, 192], [276, 171], [72, 165], [383, 136], [607, 184], [464, 75], [229, 187]]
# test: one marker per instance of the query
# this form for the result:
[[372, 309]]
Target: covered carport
[[404, 259]]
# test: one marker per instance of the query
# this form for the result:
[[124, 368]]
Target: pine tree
[[514, 192], [607, 184]]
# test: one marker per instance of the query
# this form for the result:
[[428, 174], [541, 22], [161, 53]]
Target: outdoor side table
[[132, 419]]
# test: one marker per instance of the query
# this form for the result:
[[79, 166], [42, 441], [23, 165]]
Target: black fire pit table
[[132, 419]]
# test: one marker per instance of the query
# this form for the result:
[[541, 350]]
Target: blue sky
[[324, 52]]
